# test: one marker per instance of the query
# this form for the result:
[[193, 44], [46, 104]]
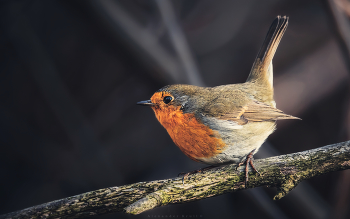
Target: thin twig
[[179, 42], [141, 38]]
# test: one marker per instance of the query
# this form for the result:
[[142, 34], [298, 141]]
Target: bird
[[225, 124]]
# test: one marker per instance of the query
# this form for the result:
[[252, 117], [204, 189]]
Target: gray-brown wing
[[252, 111]]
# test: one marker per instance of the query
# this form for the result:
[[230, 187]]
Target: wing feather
[[253, 111]]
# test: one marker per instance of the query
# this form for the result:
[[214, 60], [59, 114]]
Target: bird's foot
[[248, 161], [185, 175]]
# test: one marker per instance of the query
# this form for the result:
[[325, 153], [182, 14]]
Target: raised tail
[[261, 72]]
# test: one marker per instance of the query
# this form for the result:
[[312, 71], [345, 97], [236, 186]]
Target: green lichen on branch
[[284, 172]]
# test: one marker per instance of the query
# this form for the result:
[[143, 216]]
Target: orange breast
[[195, 139]]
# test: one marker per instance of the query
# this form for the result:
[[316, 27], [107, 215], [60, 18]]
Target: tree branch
[[283, 172]]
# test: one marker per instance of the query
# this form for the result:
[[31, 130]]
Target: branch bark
[[283, 172]]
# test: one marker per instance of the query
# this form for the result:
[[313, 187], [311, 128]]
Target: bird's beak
[[145, 103]]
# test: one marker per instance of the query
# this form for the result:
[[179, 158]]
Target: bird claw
[[185, 175], [248, 161], [182, 173]]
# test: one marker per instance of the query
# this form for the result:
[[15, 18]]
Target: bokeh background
[[71, 72]]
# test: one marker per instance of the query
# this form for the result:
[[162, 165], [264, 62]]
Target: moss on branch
[[284, 172]]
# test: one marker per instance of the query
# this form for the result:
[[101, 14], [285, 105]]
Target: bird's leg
[[185, 175], [248, 161]]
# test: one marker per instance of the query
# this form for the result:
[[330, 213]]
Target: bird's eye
[[167, 99]]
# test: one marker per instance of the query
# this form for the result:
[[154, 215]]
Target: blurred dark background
[[72, 71]]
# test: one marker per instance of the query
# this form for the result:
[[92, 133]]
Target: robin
[[224, 124]]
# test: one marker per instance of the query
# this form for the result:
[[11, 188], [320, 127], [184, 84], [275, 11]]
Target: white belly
[[240, 142]]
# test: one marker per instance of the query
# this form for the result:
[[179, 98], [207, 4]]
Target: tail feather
[[262, 71]]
